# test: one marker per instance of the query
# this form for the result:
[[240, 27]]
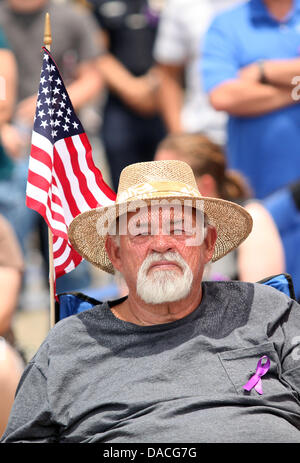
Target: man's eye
[[182, 231], [142, 233], [178, 231]]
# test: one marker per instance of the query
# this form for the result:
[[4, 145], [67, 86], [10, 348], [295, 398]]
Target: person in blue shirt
[[250, 65]]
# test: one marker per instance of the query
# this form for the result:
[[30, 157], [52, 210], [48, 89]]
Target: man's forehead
[[173, 213]]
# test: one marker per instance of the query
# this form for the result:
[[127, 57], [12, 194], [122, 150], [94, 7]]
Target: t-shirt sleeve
[[88, 37], [220, 55], [30, 418], [171, 45], [290, 351]]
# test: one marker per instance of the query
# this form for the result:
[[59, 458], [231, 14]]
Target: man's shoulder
[[76, 324], [227, 17], [71, 15], [258, 295]]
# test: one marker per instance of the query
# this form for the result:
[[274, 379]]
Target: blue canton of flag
[[55, 117]]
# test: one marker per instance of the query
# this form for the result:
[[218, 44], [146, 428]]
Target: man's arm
[[86, 86], [171, 95], [241, 97], [139, 93], [31, 418], [280, 72], [10, 285], [239, 91], [8, 82]]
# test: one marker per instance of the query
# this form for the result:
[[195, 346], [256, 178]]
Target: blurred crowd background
[[210, 82]]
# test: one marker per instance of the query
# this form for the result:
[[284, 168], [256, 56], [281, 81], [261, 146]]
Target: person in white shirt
[[177, 50]]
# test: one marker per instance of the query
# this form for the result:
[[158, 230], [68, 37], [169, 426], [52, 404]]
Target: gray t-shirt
[[75, 39], [99, 379]]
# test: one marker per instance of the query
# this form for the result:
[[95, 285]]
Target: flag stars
[[44, 124], [41, 114], [45, 90], [54, 116]]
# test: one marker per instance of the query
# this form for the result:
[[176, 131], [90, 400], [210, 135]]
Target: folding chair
[[76, 302]]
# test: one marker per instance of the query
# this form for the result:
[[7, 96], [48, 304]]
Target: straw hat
[[157, 180]]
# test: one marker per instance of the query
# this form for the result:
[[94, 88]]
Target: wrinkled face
[[163, 253]]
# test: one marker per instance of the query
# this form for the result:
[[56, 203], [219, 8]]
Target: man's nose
[[161, 243]]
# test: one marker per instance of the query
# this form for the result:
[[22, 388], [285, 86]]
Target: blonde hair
[[207, 157]]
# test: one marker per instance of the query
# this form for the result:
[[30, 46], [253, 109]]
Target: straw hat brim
[[232, 222]]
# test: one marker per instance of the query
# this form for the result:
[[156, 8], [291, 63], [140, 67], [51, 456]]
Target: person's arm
[[10, 285], [171, 95], [11, 270], [172, 52], [139, 93], [241, 97], [262, 253], [31, 419], [226, 81], [11, 368], [86, 86], [280, 72], [8, 82]]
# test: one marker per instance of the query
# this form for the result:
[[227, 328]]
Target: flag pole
[[47, 43]]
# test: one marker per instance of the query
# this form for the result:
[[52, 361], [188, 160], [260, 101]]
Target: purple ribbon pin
[[255, 380]]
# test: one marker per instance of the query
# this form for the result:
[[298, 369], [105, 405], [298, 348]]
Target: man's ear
[[210, 241], [113, 251]]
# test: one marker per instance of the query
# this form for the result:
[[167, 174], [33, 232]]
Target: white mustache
[[167, 256]]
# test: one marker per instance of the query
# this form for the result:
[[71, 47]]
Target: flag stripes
[[60, 186]]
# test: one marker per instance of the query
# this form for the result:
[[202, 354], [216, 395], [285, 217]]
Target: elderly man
[[178, 359]]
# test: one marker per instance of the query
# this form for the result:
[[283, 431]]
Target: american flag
[[63, 180]]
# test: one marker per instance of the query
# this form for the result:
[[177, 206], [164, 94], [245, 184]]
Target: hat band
[[150, 188]]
